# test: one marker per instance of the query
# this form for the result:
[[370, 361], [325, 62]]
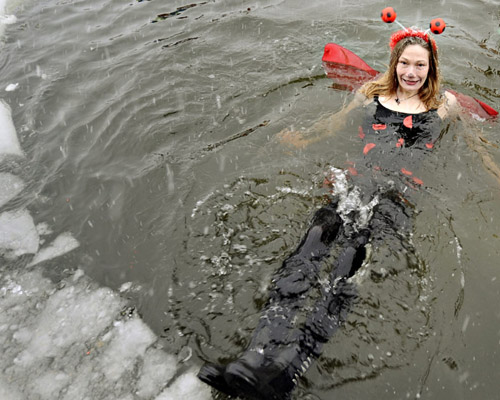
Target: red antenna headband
[[437, 27]]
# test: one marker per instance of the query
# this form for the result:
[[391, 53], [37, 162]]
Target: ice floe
[[9, 143], [11, 87], [63, 244], [18, 234], [10, 187], [76, 340]]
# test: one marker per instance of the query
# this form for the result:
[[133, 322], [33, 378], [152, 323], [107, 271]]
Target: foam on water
[[350, 200]]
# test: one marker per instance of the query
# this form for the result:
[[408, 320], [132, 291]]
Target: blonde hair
[[387, 84]]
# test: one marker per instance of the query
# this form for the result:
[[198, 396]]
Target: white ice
[[18, 234], [11, 87], [63, 244], [10, 186], [76, 340], [9, 143], [5, 19], [8, 19], [186, 387]]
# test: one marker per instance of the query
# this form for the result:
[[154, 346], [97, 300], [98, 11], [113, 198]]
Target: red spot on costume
[[361, 133], [379, 127], [327, 182], [400, 142], [368, 147], [414, 179], [408, 121]]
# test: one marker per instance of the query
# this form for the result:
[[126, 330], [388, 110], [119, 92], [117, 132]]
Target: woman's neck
[[403, 95], [409, 105]]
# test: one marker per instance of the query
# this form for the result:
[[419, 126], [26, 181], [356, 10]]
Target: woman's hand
[[450, 106], [326, 126], [292, 139]]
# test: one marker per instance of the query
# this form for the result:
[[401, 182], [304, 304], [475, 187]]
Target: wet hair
[[388, 83]]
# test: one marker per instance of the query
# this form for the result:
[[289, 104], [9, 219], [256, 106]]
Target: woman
[[403, 113]]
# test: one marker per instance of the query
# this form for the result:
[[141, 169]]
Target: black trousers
[[305, 310], [291, 318]]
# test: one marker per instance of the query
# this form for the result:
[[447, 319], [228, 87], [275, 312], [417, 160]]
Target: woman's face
[[412, 68]]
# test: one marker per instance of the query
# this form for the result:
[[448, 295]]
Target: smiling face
[[398, 79], [412, 68]]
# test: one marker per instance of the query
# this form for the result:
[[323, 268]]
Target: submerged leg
[[274, 344], [295, 278], [280, 352], [331, 310], [281, 349]]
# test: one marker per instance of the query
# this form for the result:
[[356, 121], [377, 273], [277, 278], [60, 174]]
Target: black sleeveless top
[[395, 141]]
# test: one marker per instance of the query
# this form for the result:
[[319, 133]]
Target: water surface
[[124, 109]]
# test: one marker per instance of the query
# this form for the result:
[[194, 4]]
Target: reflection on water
[[148, 130]]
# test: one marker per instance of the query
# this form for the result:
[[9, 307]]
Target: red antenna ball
[[388, 15], [437, 26]]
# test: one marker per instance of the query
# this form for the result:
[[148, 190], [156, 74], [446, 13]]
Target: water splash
[[350, 201]]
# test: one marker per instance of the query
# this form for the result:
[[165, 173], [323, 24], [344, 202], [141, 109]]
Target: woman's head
[[410, 48], [412, 69], [417, 53]]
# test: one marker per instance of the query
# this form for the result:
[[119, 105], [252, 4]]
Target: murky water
[[149, 134]]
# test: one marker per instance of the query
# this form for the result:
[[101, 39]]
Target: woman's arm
[[477, 143], [325, 127], [472, 137], [451, 109]]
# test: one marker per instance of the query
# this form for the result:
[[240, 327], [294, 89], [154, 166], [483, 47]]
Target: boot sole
[[247, 385], [213, 375]]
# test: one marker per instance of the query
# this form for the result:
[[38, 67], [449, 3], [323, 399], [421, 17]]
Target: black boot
[[213, 375], [269, 375], [280, 353]]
